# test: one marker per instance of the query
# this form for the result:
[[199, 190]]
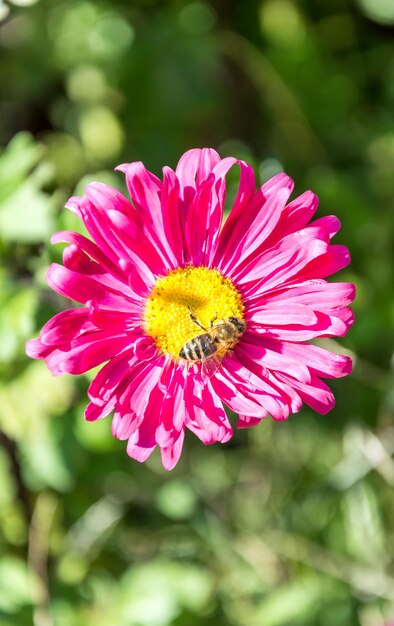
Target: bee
[[210, 347]]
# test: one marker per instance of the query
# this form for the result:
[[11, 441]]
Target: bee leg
[[195, 320], [213, 320]]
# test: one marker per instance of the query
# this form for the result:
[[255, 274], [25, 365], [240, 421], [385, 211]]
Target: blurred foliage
[[288, 524]]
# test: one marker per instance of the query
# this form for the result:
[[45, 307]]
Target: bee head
[[239, 324]]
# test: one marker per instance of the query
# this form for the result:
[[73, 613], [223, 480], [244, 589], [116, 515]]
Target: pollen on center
[[199, 290]]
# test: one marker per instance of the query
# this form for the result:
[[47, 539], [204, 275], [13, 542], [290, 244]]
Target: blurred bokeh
[[290, 523]]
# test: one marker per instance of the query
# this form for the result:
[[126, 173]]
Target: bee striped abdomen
[[198, 348], [211, 346]]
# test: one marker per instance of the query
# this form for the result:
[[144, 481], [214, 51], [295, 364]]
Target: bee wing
[[210, 365]]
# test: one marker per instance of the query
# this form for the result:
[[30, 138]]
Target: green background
[[290, 523]]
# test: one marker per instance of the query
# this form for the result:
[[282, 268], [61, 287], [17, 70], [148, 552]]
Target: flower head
[[190, 315]]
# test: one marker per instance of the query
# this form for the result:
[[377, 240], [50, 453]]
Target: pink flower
[[162, 270]]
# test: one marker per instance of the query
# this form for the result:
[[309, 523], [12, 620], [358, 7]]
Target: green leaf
[[17, 308], [16, 162], [26, 211], [15, 584]]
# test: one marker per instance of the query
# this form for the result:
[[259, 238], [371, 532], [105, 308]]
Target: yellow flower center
[[201, 291]]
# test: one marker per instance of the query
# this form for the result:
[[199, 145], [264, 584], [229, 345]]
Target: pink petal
[[144, 188], [206, 416], [35, 349], [281, 314], [95, 412], [267, 352], [117, 321], [330, 223], [136, 282], [204, 211], [193, 168], [116, 226], [244, 392], [106, 198], [295, 216], [169, 406], [334, 259], [170, 455], [75, 259], [198, 228], [142, 432], [322, 362], [245, 421], [96, 224], [106, 381], [83, 289], [317, 394], [244, 194], [249, 223], [124, 226], [274, 354], [137, 452], [230, 393], [294, 359], [258, 230], [87, 246], [317, 294], [89, 351], [334, 324], [145, 191], [172, 221], [274, 267], [344, 318], [133, 404], [333, 318], [279, 398], [65, 326]]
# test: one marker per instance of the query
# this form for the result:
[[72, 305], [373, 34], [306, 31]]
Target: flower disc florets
[[198, 290], [159, 269]]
